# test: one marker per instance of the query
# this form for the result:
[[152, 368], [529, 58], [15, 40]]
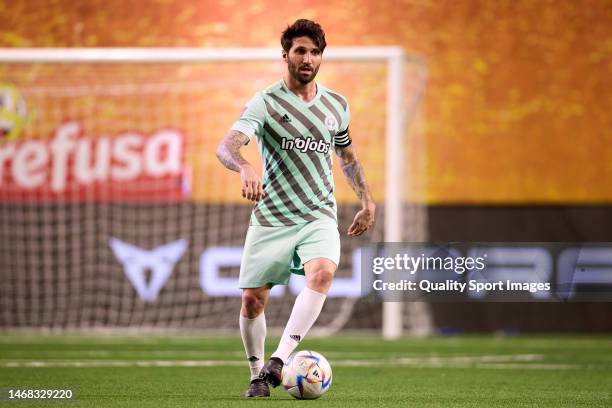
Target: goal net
[[115, 213]]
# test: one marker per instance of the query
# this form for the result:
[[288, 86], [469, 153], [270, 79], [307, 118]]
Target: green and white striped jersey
[[296, 141]]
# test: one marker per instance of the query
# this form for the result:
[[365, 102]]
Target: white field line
[[537, 366], [195, 352], [516, 361], [144, 354], [122, 363], [334, 355]]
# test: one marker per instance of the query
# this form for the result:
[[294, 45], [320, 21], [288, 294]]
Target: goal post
[[399, 112]]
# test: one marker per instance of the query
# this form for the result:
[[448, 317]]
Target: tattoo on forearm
[[228, 151], [354, 172]]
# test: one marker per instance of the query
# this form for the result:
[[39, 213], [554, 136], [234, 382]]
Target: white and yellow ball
[[13, 111]]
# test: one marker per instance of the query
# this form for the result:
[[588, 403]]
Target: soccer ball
[[307, 375], [13, 113]]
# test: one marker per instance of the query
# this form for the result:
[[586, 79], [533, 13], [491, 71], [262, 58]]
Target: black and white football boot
[[272, 372], [258, 388]]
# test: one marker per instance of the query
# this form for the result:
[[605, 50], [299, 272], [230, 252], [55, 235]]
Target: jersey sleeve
[[253, 117], [343, 138]]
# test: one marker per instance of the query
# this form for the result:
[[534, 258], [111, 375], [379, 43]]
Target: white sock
[[306, 309], [253, 333]]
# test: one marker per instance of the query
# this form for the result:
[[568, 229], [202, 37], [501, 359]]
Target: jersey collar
[[297, 98]]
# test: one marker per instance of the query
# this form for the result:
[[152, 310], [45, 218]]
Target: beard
[[300, 75]]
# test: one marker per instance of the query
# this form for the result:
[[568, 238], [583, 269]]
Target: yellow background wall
[[517, 106]]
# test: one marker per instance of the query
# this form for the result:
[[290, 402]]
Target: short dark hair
[[301, 28]]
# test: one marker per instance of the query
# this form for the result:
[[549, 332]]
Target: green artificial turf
[[186, 371]]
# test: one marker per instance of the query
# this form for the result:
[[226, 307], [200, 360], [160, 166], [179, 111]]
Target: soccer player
[[293, 226]]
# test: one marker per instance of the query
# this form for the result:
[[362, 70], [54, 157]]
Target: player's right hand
[[252, 187]]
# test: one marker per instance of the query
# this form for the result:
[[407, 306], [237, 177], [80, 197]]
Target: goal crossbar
[[175, 55]]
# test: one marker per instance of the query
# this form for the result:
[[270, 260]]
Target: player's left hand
[[363, 220]]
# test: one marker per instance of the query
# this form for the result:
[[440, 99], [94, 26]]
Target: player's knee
[[321, 279], [252, 305]]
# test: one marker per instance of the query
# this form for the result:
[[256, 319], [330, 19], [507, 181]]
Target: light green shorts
[[271, 254]]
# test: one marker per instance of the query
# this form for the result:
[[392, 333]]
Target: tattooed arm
[[354, 175], [228, 153]]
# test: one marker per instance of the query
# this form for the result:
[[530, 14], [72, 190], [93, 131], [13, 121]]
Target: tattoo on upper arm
[[228, 151], [353, 171]]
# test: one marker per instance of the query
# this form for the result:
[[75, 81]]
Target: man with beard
[[293, 226]]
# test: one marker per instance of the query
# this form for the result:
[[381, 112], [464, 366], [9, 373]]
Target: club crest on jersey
[[331, 123], [305, 145]]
